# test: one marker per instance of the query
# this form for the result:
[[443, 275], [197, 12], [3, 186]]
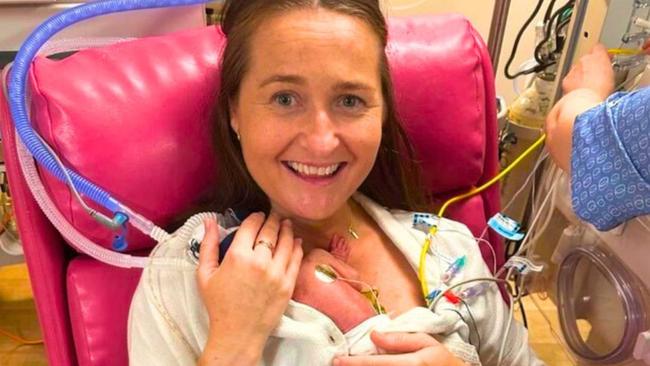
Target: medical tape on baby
[[326, 273]]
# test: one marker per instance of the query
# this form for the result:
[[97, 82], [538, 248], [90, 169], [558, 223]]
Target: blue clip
[[433, 294], [121, 218], [506, 227], [119, 242]]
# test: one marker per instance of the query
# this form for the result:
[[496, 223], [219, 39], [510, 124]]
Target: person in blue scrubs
[[603, 140]]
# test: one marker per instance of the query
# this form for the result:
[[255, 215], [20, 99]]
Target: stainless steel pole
[[497, 30]]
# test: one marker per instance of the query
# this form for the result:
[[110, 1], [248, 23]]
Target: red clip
[[452, 298]]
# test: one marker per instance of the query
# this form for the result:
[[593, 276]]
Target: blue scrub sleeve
[[610, 163]]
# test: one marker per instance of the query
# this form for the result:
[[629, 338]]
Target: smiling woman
[[307, 135], [295, 86]]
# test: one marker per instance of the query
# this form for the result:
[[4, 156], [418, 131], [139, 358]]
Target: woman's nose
[[321, 136]]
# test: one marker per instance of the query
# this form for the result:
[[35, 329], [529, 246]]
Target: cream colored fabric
[[168, 324]]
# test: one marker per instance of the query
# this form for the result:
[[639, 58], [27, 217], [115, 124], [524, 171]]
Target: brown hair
[[395, 179]]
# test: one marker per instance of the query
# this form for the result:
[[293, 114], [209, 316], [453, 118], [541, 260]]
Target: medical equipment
[[443, 209], [17, 88]]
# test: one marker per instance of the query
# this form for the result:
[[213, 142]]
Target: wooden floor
[[18, 316], [540, 314]]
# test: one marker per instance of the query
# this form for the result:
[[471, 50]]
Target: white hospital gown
[[168, 323]]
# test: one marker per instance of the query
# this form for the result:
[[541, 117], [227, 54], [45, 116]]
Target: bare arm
[[588, 84]]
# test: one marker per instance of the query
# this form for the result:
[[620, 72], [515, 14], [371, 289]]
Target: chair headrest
[[136, 117]]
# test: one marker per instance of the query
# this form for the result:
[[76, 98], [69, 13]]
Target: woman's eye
[[285, 100], [351, 101]]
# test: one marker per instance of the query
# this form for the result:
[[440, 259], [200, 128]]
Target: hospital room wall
[[479, 12]]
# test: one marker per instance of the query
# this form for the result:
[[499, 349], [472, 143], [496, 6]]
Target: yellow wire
[[472, 192], [624, 51], [20, 340]]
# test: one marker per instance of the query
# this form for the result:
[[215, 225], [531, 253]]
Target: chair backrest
[[135, 118]]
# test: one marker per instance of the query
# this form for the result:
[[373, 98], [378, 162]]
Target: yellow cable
[[624, 51], [472, 192], [20, 340]]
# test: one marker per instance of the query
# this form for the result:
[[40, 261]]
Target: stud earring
[[238, 136]]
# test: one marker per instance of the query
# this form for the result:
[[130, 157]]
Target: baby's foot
[[339, 248]]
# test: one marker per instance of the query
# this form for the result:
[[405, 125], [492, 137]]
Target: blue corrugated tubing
[[18, 82]]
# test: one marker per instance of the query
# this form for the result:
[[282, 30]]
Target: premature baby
[[327, 283]]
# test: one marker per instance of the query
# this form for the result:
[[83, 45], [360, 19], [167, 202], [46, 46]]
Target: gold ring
[[265, 243]]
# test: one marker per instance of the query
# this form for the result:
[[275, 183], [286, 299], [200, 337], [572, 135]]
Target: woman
[[307, 132], [607, 149]]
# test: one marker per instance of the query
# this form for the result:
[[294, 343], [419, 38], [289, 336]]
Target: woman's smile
[[317, 174]]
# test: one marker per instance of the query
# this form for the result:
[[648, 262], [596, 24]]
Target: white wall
[[479, 13]]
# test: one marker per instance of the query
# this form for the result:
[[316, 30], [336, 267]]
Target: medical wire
[[534, 222], [462, 283], [549, 323], [511, 315], [19, 339], [495, 279], [555, 173], [516, 45], [375, 295], [538, 164], [93, 213], [478, 335], [480, 241], [472, 192]]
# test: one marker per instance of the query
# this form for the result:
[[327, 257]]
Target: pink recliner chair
[[135, 118]]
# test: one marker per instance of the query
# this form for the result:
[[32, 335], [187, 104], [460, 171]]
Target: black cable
[[523, 313], [547, 30], [547, 15], [518, 39], [547, 25], [478, 336]]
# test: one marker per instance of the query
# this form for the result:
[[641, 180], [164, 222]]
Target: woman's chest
[[381, 265]]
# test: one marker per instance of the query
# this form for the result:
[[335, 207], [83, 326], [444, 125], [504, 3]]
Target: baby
[[327, 283]]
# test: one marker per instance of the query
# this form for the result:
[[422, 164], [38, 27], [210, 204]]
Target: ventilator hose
[[18, 83]]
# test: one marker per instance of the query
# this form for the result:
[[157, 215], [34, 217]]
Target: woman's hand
[[247, 293], [403, 349], [593, 72]]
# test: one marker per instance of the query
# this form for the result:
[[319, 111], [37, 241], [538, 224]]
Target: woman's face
[[310, 110]]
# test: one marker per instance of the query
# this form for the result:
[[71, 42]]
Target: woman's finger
[[209, 252], [267, 238], [296, 259], [247, 232], [284, 248], [402, 342]]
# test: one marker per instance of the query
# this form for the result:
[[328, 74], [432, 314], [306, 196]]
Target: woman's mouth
[[314, 173]]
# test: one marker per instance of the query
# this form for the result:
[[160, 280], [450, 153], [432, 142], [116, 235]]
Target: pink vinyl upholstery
[[136, 117]]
